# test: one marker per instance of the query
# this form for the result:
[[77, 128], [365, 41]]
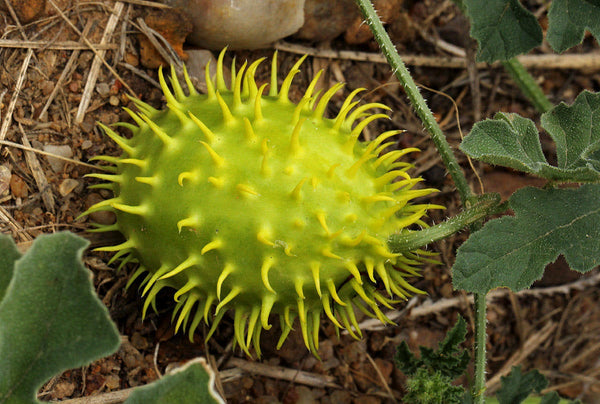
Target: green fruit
[[249, 202]]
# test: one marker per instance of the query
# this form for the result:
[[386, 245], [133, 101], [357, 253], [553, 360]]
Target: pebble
[[18, 187], [63, 151], [113, 100], [103, 89], [67, 186], [326, 20], [86, 144], [241, 24]]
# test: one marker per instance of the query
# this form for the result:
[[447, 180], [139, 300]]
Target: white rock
[[241, 24], [63, 151], [67, 186]]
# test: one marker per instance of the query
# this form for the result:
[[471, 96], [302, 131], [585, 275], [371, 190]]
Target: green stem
[[416, 99], [527, 84], [480, 343], [486, 205]]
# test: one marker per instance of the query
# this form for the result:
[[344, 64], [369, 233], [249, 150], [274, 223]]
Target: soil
[[53, 90]]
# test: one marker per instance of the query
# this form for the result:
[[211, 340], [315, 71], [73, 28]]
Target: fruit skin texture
[[244, 201]]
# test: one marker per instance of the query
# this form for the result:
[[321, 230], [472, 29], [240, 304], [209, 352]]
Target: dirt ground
[[73, 64]]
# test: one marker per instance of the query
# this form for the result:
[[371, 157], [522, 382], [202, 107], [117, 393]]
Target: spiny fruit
[[249, 202]]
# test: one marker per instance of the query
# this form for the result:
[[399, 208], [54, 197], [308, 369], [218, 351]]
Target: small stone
[[4, 180], [67, 186], [113, 100], [103, 89], [47, 86], [326, 20], [86, 144], [18, 187], [241, 24], [62, 389], [74, 86], [63, 151]]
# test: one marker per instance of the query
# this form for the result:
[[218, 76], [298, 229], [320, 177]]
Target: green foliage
[[503, 28], [517, 388], [568, 20], [512, 141], [180, 387], [431, 375], [426, 387], [51, 320], [513, 251]]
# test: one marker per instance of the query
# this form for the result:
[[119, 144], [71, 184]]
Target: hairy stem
[[486, 205], [480, 342], [416, 99], [450, 162], [527, 84]]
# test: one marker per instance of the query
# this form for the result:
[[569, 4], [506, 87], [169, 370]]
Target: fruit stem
[[487, 204]]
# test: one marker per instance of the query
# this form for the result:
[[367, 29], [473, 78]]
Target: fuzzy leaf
[[503, 29], [513, 251], [568, 20], [8, 256], [517, 386], [512, 141], [192, 383], [50, 318]]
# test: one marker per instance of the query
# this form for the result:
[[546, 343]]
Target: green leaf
[[192, 383], [448, 360], [512, 141], [568, 20], [513, 251], [50, 318], [503, 29], [8, 256], [517, 386]]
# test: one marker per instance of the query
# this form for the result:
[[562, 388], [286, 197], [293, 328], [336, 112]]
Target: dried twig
[[165, 49], [62, 45], [86, 97], [91, 46], [45, 153], [429, 307], [66, 71], [147, 3], [38, 174], [14, 225], [281, 373], [15, 95], [590, 61]]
